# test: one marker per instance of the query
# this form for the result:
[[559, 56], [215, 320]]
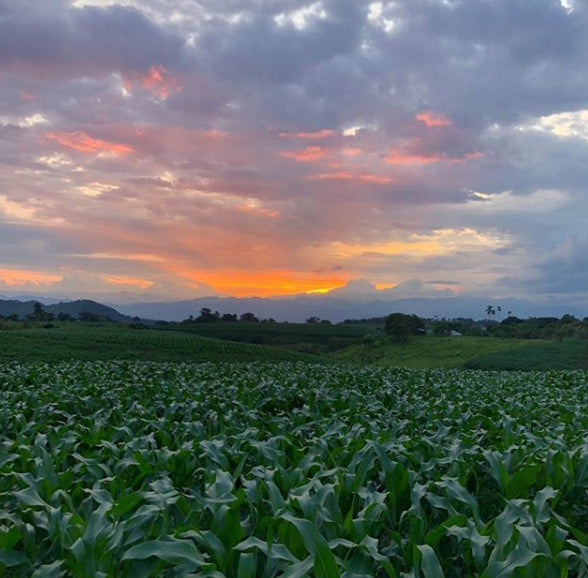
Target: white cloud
[[540, 201], [563, 124], [24, 122], [302, 17]]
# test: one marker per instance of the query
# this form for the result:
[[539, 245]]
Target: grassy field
[[284, 342], [281, 470], [471, 353], [317, 338], [428, 351], [116, 341]]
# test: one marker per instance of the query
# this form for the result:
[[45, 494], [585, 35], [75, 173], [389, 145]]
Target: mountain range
[[74, 308], [357, 300], [336, 309]]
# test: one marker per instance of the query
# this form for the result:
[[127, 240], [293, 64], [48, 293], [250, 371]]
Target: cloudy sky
[[178, 148]]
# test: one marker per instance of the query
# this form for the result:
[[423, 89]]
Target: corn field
[[136, 469]]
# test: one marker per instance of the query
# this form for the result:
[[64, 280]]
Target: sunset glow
[[18, 278], [80, 141], [172, 150], [433, 120]]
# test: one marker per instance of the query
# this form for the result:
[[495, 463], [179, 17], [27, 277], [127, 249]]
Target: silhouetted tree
[[249, 317], [401, 326]]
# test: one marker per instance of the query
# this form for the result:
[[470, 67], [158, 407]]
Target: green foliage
[[317, 338], [428, 351], [401, 326], [241, 470], [535, 355], [117, 341]]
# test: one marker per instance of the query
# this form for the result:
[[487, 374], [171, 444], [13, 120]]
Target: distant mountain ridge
[[298, 308], [74, 308]]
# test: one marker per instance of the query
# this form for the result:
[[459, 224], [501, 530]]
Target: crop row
[[161, 469]]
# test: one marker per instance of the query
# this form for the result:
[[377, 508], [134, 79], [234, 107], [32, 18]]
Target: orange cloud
[[259, 211], [157, 81], [348, 176], [378, 179], [83, 142], [133, 281], [308, 154], [432, 120], [351, 151], [16, 277], [316, 135], [339, 176], [396, 156]]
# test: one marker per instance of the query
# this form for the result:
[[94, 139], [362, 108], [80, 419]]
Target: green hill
[[117, 341], [74, 308], [471, 353]]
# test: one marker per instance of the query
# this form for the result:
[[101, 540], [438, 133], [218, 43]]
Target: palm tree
[[490, 310]]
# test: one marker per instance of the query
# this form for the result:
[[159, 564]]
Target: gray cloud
[[185, 129]]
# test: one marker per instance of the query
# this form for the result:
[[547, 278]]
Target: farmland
[[95, 341], [128, 468]]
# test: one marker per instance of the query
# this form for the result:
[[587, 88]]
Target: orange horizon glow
[[83, 142], [273, 283], [19, 277]]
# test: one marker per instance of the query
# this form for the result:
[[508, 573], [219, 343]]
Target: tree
[[401, 326], [249, 317], [39, 314], [313, 320], [207, 316]]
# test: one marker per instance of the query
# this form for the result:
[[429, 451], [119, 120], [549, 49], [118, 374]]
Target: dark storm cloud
[[66, 41]]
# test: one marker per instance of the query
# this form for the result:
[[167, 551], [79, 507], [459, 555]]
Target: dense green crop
[[96, 342], [153, 469]]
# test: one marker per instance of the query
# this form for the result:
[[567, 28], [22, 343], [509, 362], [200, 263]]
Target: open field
[[282, 342], [241, 470], [488, 353], [93, 342], [317, 338]]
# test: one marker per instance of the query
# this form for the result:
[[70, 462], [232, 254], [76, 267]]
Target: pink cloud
[[262, 211], [28, 96], [157, 81], [351, 151], [432, 120], [410, 155], [213, 134], [316, 135], [308, 154], [349, 176], [396, 156], [378, 179], [83, 142]]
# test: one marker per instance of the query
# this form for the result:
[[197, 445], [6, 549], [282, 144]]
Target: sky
[[168, 149]]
